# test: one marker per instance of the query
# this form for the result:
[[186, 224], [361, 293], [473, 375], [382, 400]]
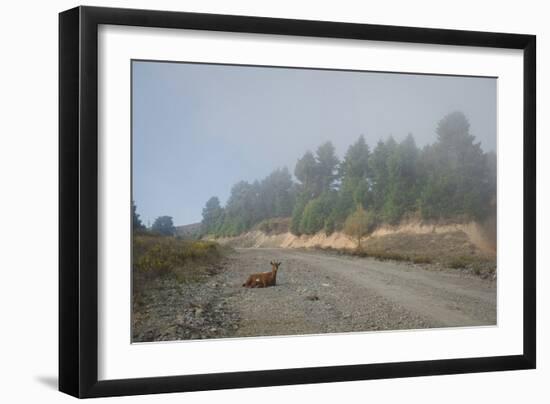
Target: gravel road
[[318, 292]]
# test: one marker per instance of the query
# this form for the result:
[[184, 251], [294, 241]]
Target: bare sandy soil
[[316, 292], [437, 241]]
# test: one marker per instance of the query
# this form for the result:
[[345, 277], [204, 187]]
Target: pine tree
[[327, 163], [137, 225], [212, 216], [164, 226]]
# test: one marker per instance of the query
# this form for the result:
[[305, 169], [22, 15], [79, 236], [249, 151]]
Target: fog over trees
[[453, 178], [164, 226]]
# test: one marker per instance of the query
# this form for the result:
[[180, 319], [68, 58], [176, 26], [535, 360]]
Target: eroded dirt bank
[[480, 236]]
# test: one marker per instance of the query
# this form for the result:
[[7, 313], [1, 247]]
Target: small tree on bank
[[358, 224]]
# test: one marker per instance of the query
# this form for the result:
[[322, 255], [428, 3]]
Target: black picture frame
[[78, 201]]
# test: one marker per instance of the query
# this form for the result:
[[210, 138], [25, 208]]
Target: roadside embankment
[[456, 245]]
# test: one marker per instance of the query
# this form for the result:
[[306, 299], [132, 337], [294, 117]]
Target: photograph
[[284, 201]]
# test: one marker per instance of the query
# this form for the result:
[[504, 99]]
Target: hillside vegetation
[[453, 178], [186, 260]]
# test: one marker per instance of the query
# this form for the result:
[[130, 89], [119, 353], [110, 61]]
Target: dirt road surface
[[318, 292]]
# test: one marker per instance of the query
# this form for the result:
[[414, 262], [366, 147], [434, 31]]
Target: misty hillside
[[189, 230], [450, 179]]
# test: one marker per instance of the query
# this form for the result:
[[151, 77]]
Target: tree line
[[452, 178], [163, 225]]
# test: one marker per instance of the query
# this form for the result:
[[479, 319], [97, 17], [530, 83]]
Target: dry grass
[[449, 250], [378, 254], [160, 256], [185, 261], [422, 259], [472, 263], [383, 255]]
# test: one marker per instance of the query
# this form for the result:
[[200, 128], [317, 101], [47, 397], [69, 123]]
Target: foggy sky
[[198, 129]]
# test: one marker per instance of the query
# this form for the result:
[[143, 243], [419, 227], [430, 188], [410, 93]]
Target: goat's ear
[[271, 262]]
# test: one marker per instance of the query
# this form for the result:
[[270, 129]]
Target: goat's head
[[275, 265]]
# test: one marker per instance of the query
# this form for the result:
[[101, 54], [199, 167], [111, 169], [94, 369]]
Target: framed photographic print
[[250, 201]]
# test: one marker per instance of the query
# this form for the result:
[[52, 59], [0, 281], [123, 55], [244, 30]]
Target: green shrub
[[330, 225], [274, 225], [313, 217]]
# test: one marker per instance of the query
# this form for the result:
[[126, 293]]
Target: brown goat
[[263, 279]]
